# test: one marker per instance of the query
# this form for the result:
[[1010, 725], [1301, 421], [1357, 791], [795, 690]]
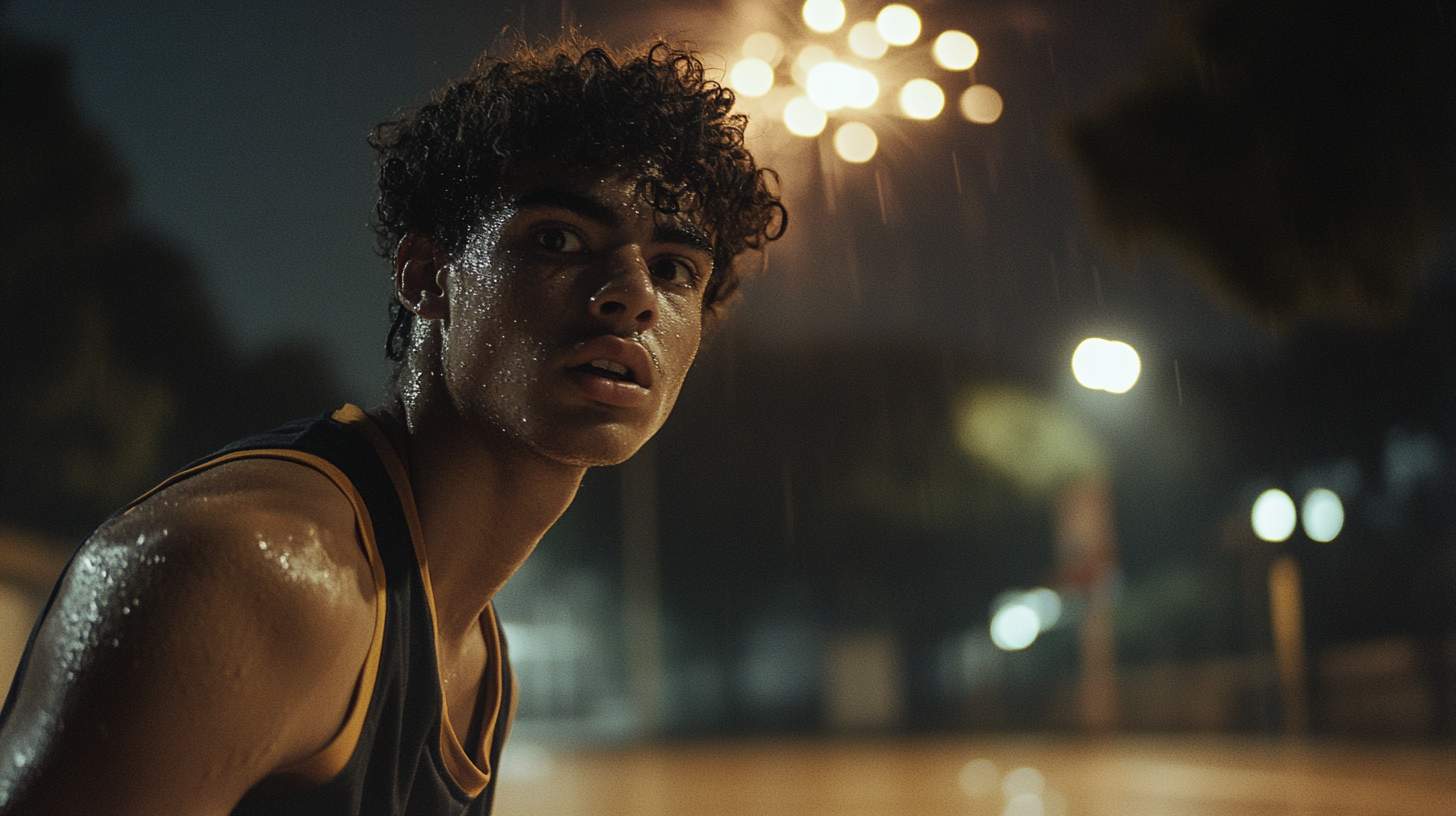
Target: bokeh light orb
[[1323, 514], [921, 99], [764, 46], [866, 90], [831, 84], [955, 51], [1273, 516], [898, 24], [865, 40], [824, 16], [979, 777], [981, 104], [1106, 365], [811, 56], [1047, 605], [751, 77], [856, 142], [804, 118], [1023, 781], [1014, 626]]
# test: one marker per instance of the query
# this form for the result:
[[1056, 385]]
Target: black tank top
[[397, 752]]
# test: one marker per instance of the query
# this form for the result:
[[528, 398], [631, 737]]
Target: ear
[[419, 277]]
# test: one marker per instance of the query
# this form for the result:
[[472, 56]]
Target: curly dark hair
[[654, 115]]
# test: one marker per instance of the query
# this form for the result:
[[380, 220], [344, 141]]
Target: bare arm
[[206, 639]]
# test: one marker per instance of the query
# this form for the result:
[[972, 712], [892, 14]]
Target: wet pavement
[[1008, 776]]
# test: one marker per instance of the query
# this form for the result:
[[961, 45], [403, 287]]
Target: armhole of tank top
[[326, 764], [470, 773]]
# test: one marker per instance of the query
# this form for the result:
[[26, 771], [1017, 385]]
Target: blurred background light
[[955, 51], [751, 77], [1015, 626], [865, 40], [921, 99], [855, 142], [1106, 365], [1273, 516], [981, 104], [831, 84], [804, 118], [764, 46], [1022, 782], [1323, 514], [865, 92], [979, 777], [811, 56], [1047, 605], [898, 24], [824, 15]]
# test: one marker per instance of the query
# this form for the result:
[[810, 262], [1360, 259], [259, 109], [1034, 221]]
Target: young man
[[303, 623]]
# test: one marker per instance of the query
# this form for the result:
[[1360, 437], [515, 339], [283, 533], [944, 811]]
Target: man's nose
[[627, 300]]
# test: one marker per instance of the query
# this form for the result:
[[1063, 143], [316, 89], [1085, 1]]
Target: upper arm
[[200, 642]]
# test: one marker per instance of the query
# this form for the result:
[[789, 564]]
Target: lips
[[613, 371]]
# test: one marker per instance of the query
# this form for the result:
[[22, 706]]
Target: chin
[[601, 448]]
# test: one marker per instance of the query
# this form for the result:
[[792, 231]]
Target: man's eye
[[558, 240], [675, 270]]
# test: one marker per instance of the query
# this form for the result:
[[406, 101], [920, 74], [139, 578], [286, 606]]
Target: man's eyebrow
[[685, 234], [583, 205]]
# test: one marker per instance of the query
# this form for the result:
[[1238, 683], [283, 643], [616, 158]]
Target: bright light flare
[[955, 51], [764, 46], [824, 16], [865, 40], [832, 84], [811, 56], [751, 77], [921, 99], [1014, 627], [866, 90], [1023, 782], [855, 142], [1323, 514], [1106, 365], [898, 24], [981, 104], [1273, 516], [804, 118]]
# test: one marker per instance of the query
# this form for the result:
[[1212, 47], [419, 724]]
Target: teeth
[[615, 368]]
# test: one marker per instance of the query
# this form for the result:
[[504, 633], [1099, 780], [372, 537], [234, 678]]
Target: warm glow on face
[[955, 51], [898, 24], [856, 142], [921, 99], [751, 77], [981, 104], [804, 118], [824, 15], [764, 46], [865, 41], [1106, 365], [1273, 516]]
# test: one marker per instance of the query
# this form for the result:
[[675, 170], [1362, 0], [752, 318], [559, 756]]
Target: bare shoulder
[[206, 638]]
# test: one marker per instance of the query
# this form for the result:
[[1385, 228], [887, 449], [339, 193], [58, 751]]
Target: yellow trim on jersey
[[326, 764], [472, 774]]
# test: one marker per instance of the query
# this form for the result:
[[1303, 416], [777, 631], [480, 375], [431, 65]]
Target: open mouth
[[609, 370]]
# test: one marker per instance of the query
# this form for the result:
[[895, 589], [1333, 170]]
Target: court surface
[[1006, 776]]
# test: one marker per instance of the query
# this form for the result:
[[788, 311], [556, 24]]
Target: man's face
[[575, 311]]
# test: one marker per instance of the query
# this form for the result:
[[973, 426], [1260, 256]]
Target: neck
[[484, 502]]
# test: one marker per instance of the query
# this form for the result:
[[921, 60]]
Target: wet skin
[[215, 633]]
